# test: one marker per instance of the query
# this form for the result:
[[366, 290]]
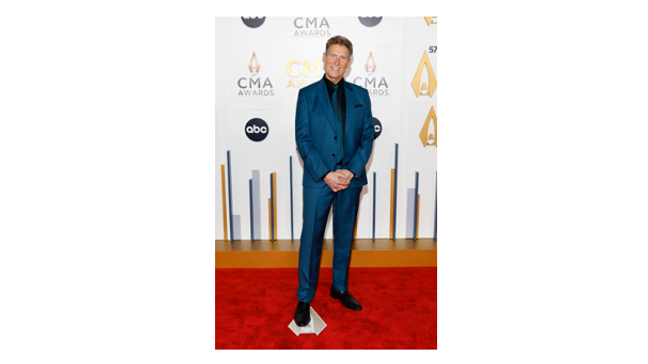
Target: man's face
[[336, 62]]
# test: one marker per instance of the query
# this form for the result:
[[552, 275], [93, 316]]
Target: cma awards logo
[[311, 27], [370, 21], [424, 82], [256, 129], [426, 135], [430, 20], [301, 70], [254, 85], [371, 83], [253, 22]]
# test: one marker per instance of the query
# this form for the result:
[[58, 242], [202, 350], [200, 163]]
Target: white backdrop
[[259, 70]]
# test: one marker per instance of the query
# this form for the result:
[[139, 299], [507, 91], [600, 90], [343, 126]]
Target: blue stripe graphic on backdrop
[[435, 205], [292, 237], [251, 213], [395, 192], [229, 188], [373, 227], [271, 210], [256, 192], [416, 206]]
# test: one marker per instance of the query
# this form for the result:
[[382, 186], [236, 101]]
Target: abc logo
[[377, 128], [370, 21], [256, 130], [253, 22]]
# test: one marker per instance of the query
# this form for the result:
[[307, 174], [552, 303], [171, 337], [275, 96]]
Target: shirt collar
[[330, 84]]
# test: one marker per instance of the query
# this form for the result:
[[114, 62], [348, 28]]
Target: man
[[334, 133]]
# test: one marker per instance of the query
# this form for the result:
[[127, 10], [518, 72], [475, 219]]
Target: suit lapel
[[325, 103], [350, 99]]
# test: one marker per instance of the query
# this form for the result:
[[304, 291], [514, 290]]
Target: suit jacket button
[[335, 138], [333, 155]]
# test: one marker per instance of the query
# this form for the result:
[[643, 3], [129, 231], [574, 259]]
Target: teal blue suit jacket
[[315, 132]]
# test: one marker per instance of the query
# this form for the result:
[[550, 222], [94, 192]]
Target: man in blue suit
[[334, 133]]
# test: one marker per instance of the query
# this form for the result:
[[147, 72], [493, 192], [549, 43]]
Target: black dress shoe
[[347, 300], [302, 314]]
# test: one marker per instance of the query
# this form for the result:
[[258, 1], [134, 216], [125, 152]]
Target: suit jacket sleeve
[[361, 157], [313, 161]]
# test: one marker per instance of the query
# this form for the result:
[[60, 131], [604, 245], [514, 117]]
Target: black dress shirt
[[340, 96]]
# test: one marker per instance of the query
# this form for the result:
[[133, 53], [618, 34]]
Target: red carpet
[[255, 306]]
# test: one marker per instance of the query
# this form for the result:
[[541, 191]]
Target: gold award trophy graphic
[[254, 65], [370, 65], [430, 20], [421, 88], [428, 138]]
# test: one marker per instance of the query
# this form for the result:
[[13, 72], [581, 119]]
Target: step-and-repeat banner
[[262, 62]]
